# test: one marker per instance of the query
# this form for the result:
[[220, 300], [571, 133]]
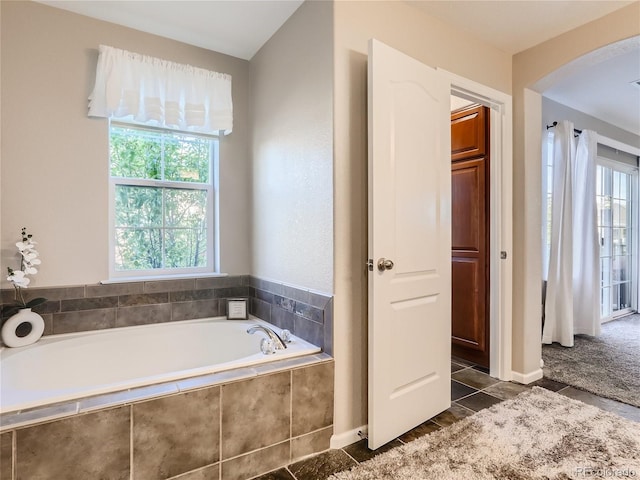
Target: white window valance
[[152, 91]]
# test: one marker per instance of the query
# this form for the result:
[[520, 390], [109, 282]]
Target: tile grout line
[[350, 456]]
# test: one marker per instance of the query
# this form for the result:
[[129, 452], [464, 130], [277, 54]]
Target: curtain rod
[[556, 123]]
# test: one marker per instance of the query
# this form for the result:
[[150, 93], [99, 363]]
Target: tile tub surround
[[233, 430], [309, 315]]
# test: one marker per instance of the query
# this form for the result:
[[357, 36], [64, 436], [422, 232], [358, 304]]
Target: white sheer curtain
[[573, 290], [153, 91], [586, 244]]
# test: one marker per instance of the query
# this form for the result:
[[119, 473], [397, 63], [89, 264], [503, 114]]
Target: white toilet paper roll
[[10, 328]]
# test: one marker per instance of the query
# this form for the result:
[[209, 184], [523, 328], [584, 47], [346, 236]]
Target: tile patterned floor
[[472, 389]]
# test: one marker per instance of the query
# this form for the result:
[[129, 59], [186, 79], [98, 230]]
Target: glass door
[[616, 228]]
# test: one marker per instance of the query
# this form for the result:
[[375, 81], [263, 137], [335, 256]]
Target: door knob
[[384, 264]]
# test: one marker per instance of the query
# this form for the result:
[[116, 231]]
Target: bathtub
[[66, 367]]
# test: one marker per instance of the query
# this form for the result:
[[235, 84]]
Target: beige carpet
[[537, 435], [607, 365]]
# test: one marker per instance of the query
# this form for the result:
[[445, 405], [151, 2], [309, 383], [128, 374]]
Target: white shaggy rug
[[537, 435]]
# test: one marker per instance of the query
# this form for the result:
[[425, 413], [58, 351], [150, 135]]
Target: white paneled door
[[409, 243]]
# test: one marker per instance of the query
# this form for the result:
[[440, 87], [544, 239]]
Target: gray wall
[[292, 114], [554, 111], [54, 171]]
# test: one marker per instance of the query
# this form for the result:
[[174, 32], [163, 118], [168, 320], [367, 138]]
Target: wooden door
[[470, 234], [409, 244]]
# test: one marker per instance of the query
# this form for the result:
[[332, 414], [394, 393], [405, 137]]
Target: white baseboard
[[347, 438], [526, 378]]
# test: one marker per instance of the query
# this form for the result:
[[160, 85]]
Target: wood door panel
[[468, 137], [467, 197], [470, 234], [467, 326]]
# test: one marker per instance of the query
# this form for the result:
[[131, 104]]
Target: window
[[547, 192], [616, 217], [615, 193], [162, 201]]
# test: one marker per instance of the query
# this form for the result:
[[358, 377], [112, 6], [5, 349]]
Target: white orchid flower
[[29, 270], [19, 279], [30, 256], [22, 246]]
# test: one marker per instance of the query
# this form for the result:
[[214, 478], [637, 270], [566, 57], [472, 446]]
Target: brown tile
[[481, 369], [88, 304], [126, 396], [6, 456], [284, 303], [461, 361], [93, 446], [506, 390], [273, 287], [48, 323], [455, 367], [260, 309], [452, 415], [255, 414], [321, 466], [143, 315], [212, 472], [190, 295], [282, 318], [51, 306], [319, 300], [264, 296], [312, 401], [296, 294], [256, 463], [176, 434], [474, 378], [619, 408], [219, 282], [50, 293], [327, 345], [310, 313], [310, 331], [30, 416], [548, 384], [143, 299], [361, 452], [7, 295], [195, 309], [311, 443], [280, 474], [232, 292], [458, 390], [84, 320], [420, 431], [169, 285], [478, 401], [114, 289]]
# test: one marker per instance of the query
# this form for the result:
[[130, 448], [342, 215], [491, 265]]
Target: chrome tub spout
[[278, 343]]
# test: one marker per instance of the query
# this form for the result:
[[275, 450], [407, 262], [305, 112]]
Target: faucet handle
[[285, 335], [267, 346]]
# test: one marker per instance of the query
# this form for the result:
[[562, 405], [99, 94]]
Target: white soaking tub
[[70, 366]]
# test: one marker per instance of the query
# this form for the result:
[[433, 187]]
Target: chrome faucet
[[278, 343]]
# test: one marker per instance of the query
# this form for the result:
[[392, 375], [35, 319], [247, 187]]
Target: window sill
[[153, 278]]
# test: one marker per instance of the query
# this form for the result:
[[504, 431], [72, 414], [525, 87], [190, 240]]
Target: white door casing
[[409, 224]]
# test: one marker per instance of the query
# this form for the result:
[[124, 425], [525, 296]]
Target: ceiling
[[235, 27], [240, 28]]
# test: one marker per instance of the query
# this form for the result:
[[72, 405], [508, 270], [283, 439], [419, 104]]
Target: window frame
[[212, 198], [633, 282]]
